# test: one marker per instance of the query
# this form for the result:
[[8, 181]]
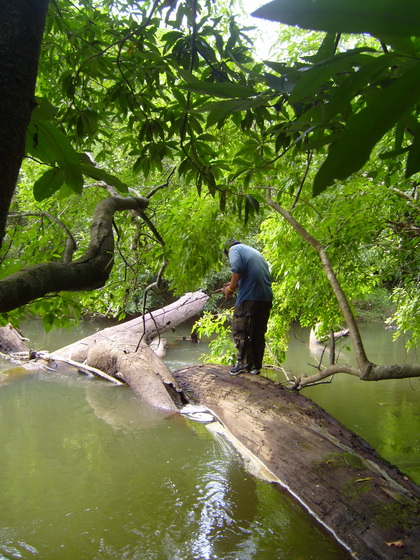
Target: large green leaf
[[317, 75], [225, 90], [377, 17], [49, 183], [53, 146], [366, 128], [231, 105], [99, 174], [356, 81]]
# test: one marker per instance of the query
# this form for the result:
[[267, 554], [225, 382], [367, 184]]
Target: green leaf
[[49, 183], [37, 145], [317, 75], [225, 90], [254, 202], [54, 145], [327, 48], [282, 84], [366, 128], [45, 108], [219, 111], [377, 17], [102, 175], [353, 84]]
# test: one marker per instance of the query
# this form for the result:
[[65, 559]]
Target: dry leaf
[[399, 544]]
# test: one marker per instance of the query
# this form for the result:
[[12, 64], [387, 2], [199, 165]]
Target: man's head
[[229, 243]]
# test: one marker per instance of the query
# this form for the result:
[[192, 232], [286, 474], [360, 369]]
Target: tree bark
[[89, 272], [370, 507], [12, 341], [22, 27], [143, 371]]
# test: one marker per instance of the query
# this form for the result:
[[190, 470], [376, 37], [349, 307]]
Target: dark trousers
[[249, 326]]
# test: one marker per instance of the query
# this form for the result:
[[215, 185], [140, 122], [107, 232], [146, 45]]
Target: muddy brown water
[[88, 472]]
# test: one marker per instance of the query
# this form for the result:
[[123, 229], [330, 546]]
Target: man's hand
[[227, 291]]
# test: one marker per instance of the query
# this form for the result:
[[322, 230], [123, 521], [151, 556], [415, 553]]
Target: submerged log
[[11, 340], [122, 352], [371, 507], [143, 370]]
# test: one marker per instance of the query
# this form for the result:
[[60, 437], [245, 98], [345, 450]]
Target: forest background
[[312, 156]]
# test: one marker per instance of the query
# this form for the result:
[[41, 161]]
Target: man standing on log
[[252, 306]]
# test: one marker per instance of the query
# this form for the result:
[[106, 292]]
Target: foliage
[[375, 306], [222, 349], [168, 101], [407, 300], [350, 100]]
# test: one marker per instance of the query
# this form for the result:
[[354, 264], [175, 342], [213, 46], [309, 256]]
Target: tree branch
[[366, 370], [89, 272], [362, 360]]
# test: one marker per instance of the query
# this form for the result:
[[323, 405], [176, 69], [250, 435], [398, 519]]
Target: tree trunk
[[22, 26], [371, 508], [12, 341], [144, 329], [145, 372], [123, 351]]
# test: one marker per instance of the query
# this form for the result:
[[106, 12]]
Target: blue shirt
[[255, 281]]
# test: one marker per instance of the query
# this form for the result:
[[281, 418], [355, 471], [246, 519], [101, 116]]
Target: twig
[[84, 367]]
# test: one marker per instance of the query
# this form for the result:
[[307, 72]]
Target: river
[[89, 472]]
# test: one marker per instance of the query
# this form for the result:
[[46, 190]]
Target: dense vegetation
[[167, 101]]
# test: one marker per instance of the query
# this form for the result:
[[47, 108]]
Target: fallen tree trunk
[[11, 340], [123, 352], [144, 371], [371, 508], [142, 329]]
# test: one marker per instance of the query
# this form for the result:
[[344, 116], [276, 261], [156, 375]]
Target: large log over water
[[369, 505], [143, 329], [124, 353]]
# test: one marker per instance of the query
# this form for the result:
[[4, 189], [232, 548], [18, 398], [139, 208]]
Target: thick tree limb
[[89, 272]]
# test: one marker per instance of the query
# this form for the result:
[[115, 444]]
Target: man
[[252, 307]]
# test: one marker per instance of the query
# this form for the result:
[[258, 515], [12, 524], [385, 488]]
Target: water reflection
[[385, 413], [88, 473]]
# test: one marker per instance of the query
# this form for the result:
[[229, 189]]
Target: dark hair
[[229, 243]]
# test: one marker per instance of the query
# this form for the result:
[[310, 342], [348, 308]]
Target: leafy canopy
[[130, 91]]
